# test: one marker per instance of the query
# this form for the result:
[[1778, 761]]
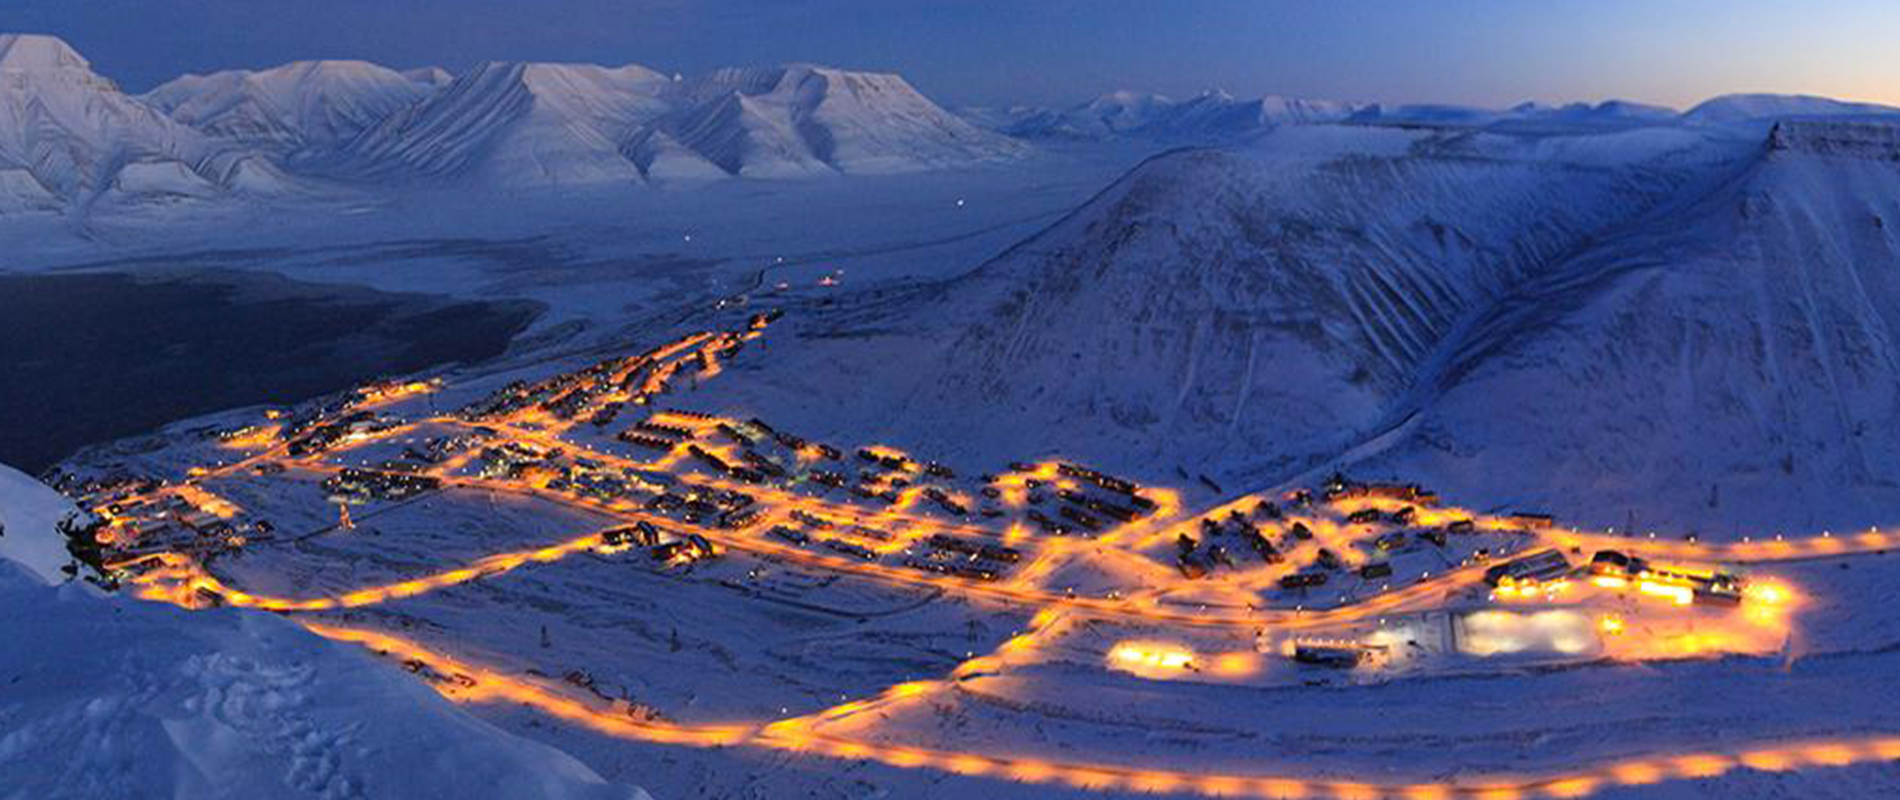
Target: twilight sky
[[1483, 52]]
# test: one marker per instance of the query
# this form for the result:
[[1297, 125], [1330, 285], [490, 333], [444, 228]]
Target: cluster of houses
[[724, 508], [1097, 502], [352, 485], [950, 555], [599, 391], [321, 434], [317, 425], [133, 518], [664, 547]]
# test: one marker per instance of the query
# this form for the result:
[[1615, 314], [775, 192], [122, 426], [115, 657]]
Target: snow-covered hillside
[[304, 104], [1659, 325], [1732, 361], [119, 698], [65, 132], [1261, 308]]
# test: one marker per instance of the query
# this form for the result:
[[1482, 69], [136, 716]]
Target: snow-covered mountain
[[1219, 114], [1112, 114], [1208, 117], [1266, 306], [1669, 318], [1736, 359], [516, 124], [70, 139], [529, 124], [803, 119], [66, 133], [305, 104]]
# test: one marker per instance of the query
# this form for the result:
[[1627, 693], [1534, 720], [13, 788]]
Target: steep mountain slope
[[740, 133], [518, 124], [1737, 363], [65, 132], [305, 104], [1249, 310], [802, 119]]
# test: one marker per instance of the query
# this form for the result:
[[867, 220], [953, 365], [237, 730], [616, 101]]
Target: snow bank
[[118, 698]]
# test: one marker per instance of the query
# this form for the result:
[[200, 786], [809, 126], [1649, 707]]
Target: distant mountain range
[[1215, 117], [1209, 115], [71, 140]]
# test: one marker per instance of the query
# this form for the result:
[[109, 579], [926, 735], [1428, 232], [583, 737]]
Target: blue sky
[[1484, 52]]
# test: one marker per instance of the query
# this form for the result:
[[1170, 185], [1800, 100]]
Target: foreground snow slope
[[115, 697], [29, 514], [118, 698]]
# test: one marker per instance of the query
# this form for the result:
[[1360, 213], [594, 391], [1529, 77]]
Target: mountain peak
[[290, 106], [32, 51]]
